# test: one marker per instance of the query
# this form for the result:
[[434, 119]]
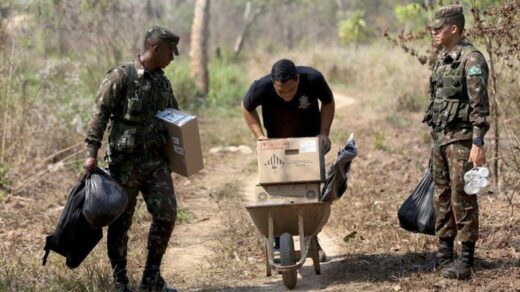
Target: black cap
[[164, 34], [445, 13]]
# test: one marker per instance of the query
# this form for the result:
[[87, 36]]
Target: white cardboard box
[[290, 160], [183, 147]]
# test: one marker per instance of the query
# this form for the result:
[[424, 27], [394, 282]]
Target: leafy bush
[[411, 15], [353, 30], [184, 87], [227, 84]]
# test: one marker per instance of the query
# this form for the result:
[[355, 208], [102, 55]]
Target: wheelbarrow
[[303, 219]]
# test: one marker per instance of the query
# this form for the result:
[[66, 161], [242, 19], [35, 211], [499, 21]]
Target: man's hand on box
[[324, 143], [261, 137]]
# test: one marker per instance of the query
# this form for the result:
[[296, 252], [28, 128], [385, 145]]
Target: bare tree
[[249, 18], [199, 46]]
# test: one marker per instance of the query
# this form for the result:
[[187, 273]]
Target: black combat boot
[[121, 283], [461, 269], [152, 279], [122, 287], [443, 257]]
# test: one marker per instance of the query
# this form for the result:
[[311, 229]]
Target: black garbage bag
[[73, 237], [416, 214], [337, 177], [105, 199]]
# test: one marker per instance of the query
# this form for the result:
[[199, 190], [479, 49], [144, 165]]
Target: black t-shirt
[[299, 117]]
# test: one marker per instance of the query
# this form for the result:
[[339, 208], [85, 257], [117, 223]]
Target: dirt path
[[192, 247]]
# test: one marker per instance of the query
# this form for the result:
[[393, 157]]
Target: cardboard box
[[184, 150], [290, 160], [288, 193]]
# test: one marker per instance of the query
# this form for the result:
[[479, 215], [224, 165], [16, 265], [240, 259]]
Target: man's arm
[[326, 117], [476, 81], [253, 122], [106, 100]]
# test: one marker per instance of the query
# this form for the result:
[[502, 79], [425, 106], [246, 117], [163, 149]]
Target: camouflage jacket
[[130, 116], [459, 99]]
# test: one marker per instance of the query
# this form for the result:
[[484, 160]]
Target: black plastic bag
[[105, 199], [73, 237], [417, 214], [337, 177]]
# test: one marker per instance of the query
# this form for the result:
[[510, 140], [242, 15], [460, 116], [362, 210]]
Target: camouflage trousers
[[152, 178], [456, 212]]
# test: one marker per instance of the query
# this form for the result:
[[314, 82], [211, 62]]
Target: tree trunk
[[249, 18], [199, 46]]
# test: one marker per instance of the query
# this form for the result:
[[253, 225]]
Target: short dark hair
[[283, 70], [458, 21], [156, 34]]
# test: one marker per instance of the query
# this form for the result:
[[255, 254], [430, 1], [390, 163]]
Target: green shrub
[[184, 216], [353, 30], [183, 86], [227, 84], [411, 15]]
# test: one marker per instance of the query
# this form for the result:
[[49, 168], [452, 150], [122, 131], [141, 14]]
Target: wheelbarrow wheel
[[287, 259]]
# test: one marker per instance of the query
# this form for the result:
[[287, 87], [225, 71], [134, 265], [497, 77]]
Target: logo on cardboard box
[[273, 145], [274, 163]]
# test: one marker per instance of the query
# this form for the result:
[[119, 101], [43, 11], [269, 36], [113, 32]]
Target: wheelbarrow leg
[[315, 255], [267, 265]]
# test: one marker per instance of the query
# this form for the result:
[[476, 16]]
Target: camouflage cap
[[445, 13], [164, 34]]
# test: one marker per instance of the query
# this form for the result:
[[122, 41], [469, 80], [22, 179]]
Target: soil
[[216, 247], [347, 268]]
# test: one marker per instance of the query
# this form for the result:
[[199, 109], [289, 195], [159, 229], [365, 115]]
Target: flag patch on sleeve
[[474, 70]]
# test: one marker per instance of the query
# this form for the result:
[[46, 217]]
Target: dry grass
[[378, 251], [377, 254]]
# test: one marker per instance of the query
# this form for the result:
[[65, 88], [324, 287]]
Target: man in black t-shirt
[[289, 99]]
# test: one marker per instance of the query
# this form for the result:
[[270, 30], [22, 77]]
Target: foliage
[[353, 30], [228, 84], [183, 86], [407, 12], [184, 216], [411, 15]]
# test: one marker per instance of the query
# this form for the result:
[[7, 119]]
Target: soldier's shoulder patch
[[474, 70]]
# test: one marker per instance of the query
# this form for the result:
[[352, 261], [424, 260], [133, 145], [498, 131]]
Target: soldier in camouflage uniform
[[127, 101], [457, 114]]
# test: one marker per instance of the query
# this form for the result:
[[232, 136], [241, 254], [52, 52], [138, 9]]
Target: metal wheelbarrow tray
[[303, 219]]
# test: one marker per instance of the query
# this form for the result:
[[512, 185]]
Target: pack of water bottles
[[475, 180]]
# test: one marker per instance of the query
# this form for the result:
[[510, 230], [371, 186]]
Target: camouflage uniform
[[457, 114], [127, 102]]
